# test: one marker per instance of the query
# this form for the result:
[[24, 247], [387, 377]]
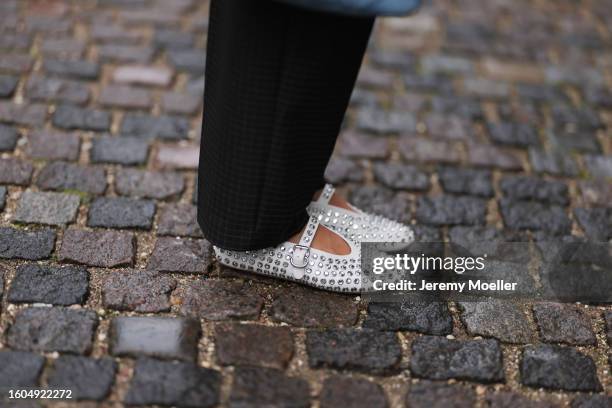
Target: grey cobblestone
[[145, 184], [62, 176], [15, 171], [163, 337], [427, 318], [53, 329], [352, 392], [30, 245], [557, 367], [221, 300], [563, 324], [427, 394], [8, 138], [119, 150], [72, 117], [43, 284], [87, 378], [361, 350], [46, 208], [171, 383], [254, 386], [19, 369], [53, 146], [438, 358], [121, 212]]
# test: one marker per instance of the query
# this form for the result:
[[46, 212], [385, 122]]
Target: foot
[[309, 261], [336, 200], [325, 240], [335, 213]]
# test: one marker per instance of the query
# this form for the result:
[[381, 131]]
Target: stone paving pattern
[[471, 119]]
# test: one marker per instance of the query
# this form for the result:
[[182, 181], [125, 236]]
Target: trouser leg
[[278, 81]]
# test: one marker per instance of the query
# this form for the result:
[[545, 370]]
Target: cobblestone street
[[473, 118]]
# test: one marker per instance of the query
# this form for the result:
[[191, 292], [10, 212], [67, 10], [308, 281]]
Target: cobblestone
[[78, 69], [87, 378], [180, 103], [353, 144], [119, 150], [401, 177], [72, 117], [15, 171], [119, 96], [154, 127], [142, 75], [351, 392], [25, 115], [19, 369], [181, 255], [438, 358], [510, 399], [61, 176], [557, 367], [138, 291], [163, 337], [379, 200], [221, 300], [53, 146], [249, 344], [513, 134], [57, 90], [535, 216], [466, 181], [8, 84], [362, 350], [427, 318], [451, 210], [340, 170], [2, 198], [596, 222], [429, 151], [98, 248], [121, 212], [553, 162], [254, 386], [173, 383], [502, 320], [147, 184], [527, 188], [563, 324], [30, 245], [427, 394], [53, 285], [179, 220], [178, 157], [53, 329], [304, 308], [8, 138], [46, 208]]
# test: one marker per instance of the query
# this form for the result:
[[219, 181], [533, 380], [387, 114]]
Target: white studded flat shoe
[[357, 225], [301, 263]]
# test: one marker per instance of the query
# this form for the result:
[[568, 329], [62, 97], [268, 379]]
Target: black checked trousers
[[278, 82]]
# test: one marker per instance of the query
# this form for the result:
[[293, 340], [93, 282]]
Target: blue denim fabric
[[360, 7]]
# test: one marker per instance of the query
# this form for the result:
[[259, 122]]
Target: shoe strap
[[326, 194], [301, 251]]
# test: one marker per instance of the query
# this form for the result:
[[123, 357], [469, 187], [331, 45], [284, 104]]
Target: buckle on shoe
[[300, 261]]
